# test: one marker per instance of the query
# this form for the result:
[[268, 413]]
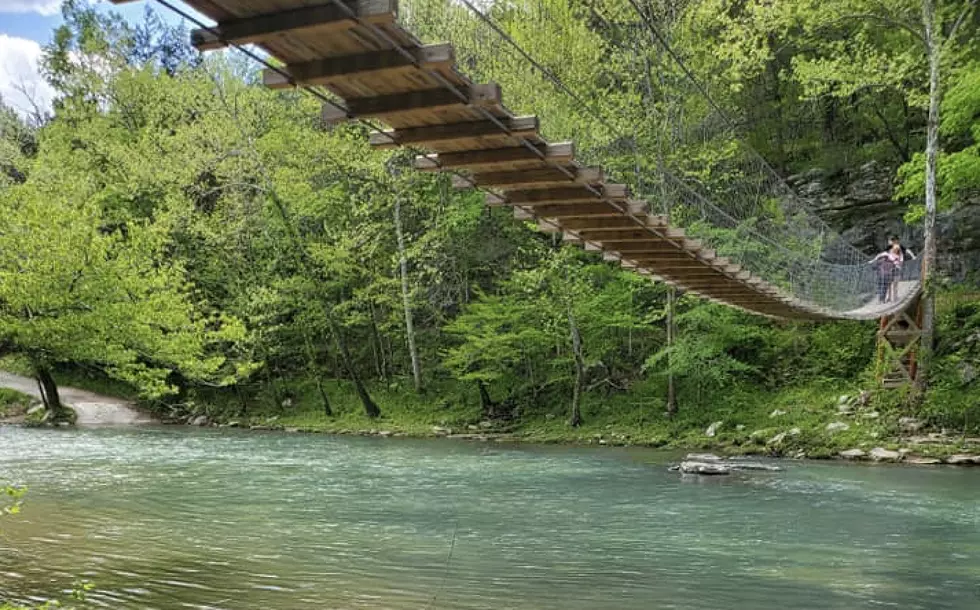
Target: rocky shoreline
[[487, 431]]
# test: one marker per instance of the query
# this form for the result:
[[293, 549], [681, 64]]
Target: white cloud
[[44, 7], [21, 85]]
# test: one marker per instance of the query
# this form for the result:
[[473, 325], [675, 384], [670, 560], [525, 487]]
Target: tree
[[72, 290]]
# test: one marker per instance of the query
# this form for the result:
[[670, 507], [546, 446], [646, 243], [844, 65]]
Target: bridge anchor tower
[[899, 338]]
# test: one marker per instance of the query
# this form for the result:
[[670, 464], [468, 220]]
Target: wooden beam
[[426, 99], [542, 177], [561, 152], [520, 127], [564, 194], [612, 224], [586, 210], [378, 64], [322, 18]]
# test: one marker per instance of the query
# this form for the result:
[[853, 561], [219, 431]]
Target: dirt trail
[[91, 409]]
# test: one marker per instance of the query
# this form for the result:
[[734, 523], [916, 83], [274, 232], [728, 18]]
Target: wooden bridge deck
[[379, 71]]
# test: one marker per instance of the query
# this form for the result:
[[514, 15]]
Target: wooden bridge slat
[[561, 152], [322, 18], [470, 131], [382, 64], [430, 99]]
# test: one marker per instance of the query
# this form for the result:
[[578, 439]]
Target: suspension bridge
[[361, 59]]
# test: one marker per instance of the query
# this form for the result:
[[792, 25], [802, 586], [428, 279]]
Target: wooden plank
[[542, 177], [427, 99], [566, 194], [520, 127], [376, 64], [612, 224], [585, 210], [612, 237], [561, 152], [322, 18]]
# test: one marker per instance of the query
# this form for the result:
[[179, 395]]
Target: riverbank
[[819, 421]]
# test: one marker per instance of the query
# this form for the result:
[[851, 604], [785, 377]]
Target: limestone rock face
[[857, 201]]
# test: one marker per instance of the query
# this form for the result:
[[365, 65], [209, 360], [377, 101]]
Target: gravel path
[[91, 409]]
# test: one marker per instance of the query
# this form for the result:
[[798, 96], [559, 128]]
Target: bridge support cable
[[356, 57]]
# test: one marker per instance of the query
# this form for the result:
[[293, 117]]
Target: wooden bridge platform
[[377, 70]]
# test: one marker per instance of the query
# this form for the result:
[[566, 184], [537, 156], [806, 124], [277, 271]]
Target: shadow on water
[[177, 518]]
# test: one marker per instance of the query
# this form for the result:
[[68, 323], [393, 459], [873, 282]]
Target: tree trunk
[[488, 406], [324, 399], [575, 418], [406, 302], [933, 51], [671, 332], [49, 391], [370, 407]]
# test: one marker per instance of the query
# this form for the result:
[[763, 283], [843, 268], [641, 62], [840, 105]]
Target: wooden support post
[[375, 64], [451, 133], [322, 18], [427, 99]]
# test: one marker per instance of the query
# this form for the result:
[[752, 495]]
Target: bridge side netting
[[613, 84]]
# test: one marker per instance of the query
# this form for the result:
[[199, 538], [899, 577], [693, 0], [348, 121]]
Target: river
[[204, 518]]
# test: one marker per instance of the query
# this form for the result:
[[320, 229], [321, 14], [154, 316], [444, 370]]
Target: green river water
[[187, 518]]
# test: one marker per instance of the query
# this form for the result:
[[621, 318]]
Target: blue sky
[[25, 26]]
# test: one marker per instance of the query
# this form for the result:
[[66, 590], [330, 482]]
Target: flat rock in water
[[702, 457], [710, 468], [754, 466], [852, 454], [880, 454]]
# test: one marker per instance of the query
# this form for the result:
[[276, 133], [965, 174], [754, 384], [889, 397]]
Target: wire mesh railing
[[689, 161]]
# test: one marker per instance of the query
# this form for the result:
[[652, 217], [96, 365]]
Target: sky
[[25, 27]]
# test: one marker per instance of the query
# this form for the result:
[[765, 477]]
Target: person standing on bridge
[[886, 265], [907, 254]]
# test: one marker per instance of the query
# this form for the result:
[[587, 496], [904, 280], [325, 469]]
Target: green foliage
[[959, 164]]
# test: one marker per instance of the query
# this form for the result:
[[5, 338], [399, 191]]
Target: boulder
[[37, 408], [713, 428], [794, 432], [710, 468], [852, 454], [200, 420], [923, 461], [845, 409], [440, 431], [871, 415], [778, 439], [384, 433], [486, 424], [880, 454], [777, 413], [837, 426], [740, 427], [963, 460], [910, 424], [968, 372]]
